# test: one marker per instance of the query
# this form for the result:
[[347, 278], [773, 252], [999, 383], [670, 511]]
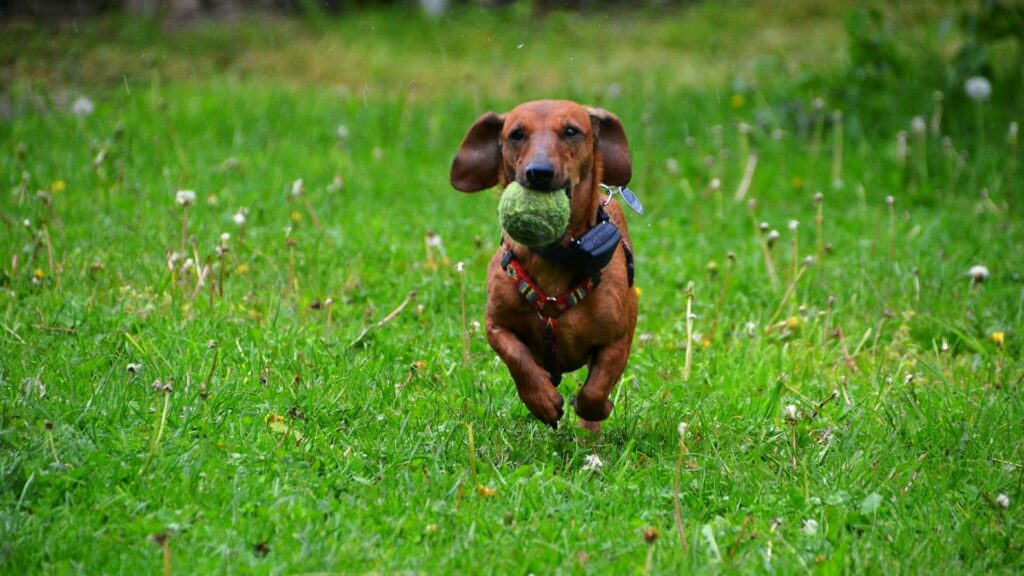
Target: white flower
[[341, 133], [810, 527], [592, 462], [794, 224], [82, 107], [26, 223], [715, 184], [133, 367], [224, 238], [978, 273], [773, 236], [460, 266], [743, 128], [185, 197], [978, 88], [1003, 500], [917, 125], [239, 217], [297, 187], [890, 200], [681, 429]]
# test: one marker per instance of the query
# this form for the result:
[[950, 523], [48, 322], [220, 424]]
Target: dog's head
[[547, 145]]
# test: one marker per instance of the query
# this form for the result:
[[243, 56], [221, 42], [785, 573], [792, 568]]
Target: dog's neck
[[551, 277]]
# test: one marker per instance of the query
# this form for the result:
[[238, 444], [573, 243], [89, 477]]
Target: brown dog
[[547, 312]]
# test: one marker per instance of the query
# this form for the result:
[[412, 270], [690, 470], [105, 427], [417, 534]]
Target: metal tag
[[627, 195]]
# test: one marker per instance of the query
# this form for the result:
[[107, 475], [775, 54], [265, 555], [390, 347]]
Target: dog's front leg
[[606, 366], [532, 382]]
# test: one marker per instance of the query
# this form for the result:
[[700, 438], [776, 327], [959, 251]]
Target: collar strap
[[546, 306]]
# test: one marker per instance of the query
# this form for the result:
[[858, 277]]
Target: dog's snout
[[539, 175]]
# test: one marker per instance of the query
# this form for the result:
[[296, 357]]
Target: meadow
[[268, 375]]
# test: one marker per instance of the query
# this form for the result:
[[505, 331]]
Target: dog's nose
[[539, 175]]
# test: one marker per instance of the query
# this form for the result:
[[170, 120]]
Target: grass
[[873, 434]]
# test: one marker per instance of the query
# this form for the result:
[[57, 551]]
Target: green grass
[[901, 471]]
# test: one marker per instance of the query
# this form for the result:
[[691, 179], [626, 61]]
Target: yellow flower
[[272, 418], [485, 491], [58, 186], [38, 273], [296, 217], [998, 337], [797, 183], [706, 342], [242, 269], [792, 323], [737, 101]]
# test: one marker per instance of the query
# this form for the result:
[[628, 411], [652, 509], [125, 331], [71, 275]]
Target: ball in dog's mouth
[[532, 217]]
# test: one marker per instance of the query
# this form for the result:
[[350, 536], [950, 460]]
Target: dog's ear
[[617, 168], [478, 162]]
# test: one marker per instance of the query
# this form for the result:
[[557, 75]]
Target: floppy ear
[[477, 164], [617, 168]]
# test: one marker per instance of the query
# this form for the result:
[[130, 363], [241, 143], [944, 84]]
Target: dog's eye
[[571, 131], [517, 135]]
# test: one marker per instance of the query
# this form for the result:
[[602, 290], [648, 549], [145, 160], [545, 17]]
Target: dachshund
[[553, 309]]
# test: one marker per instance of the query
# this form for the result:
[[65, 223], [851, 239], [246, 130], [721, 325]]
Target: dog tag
[[628, 195], [631, 200]]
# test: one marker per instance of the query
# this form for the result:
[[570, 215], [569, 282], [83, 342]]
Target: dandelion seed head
[[239, 217], [185, 197], [1003, 500], [82, 107], [978, 88], [681, 429], [918, 126], [592, 462], [298, 188], [225, 238], [794, 224], [978, 273], [672, 166], [791, 412]]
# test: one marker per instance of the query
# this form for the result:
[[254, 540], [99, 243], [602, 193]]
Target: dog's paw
[[545, 403], [591, 409], [592, 427]]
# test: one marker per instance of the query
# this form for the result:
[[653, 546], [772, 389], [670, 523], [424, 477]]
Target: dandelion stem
[[472, 455], [689, 332], [49, 248], [785, 297], [462, 301], [156, 442], [837, 148], [748, 178], [184, 228], [766, 251], [409, 298], [53, 445], [675, 492]]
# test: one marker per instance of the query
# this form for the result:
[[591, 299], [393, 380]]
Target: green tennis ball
[[531, 217]]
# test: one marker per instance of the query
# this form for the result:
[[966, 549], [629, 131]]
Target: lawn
[[211, 386]]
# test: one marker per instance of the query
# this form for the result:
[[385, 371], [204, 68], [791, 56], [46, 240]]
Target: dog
[[552, 310]]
